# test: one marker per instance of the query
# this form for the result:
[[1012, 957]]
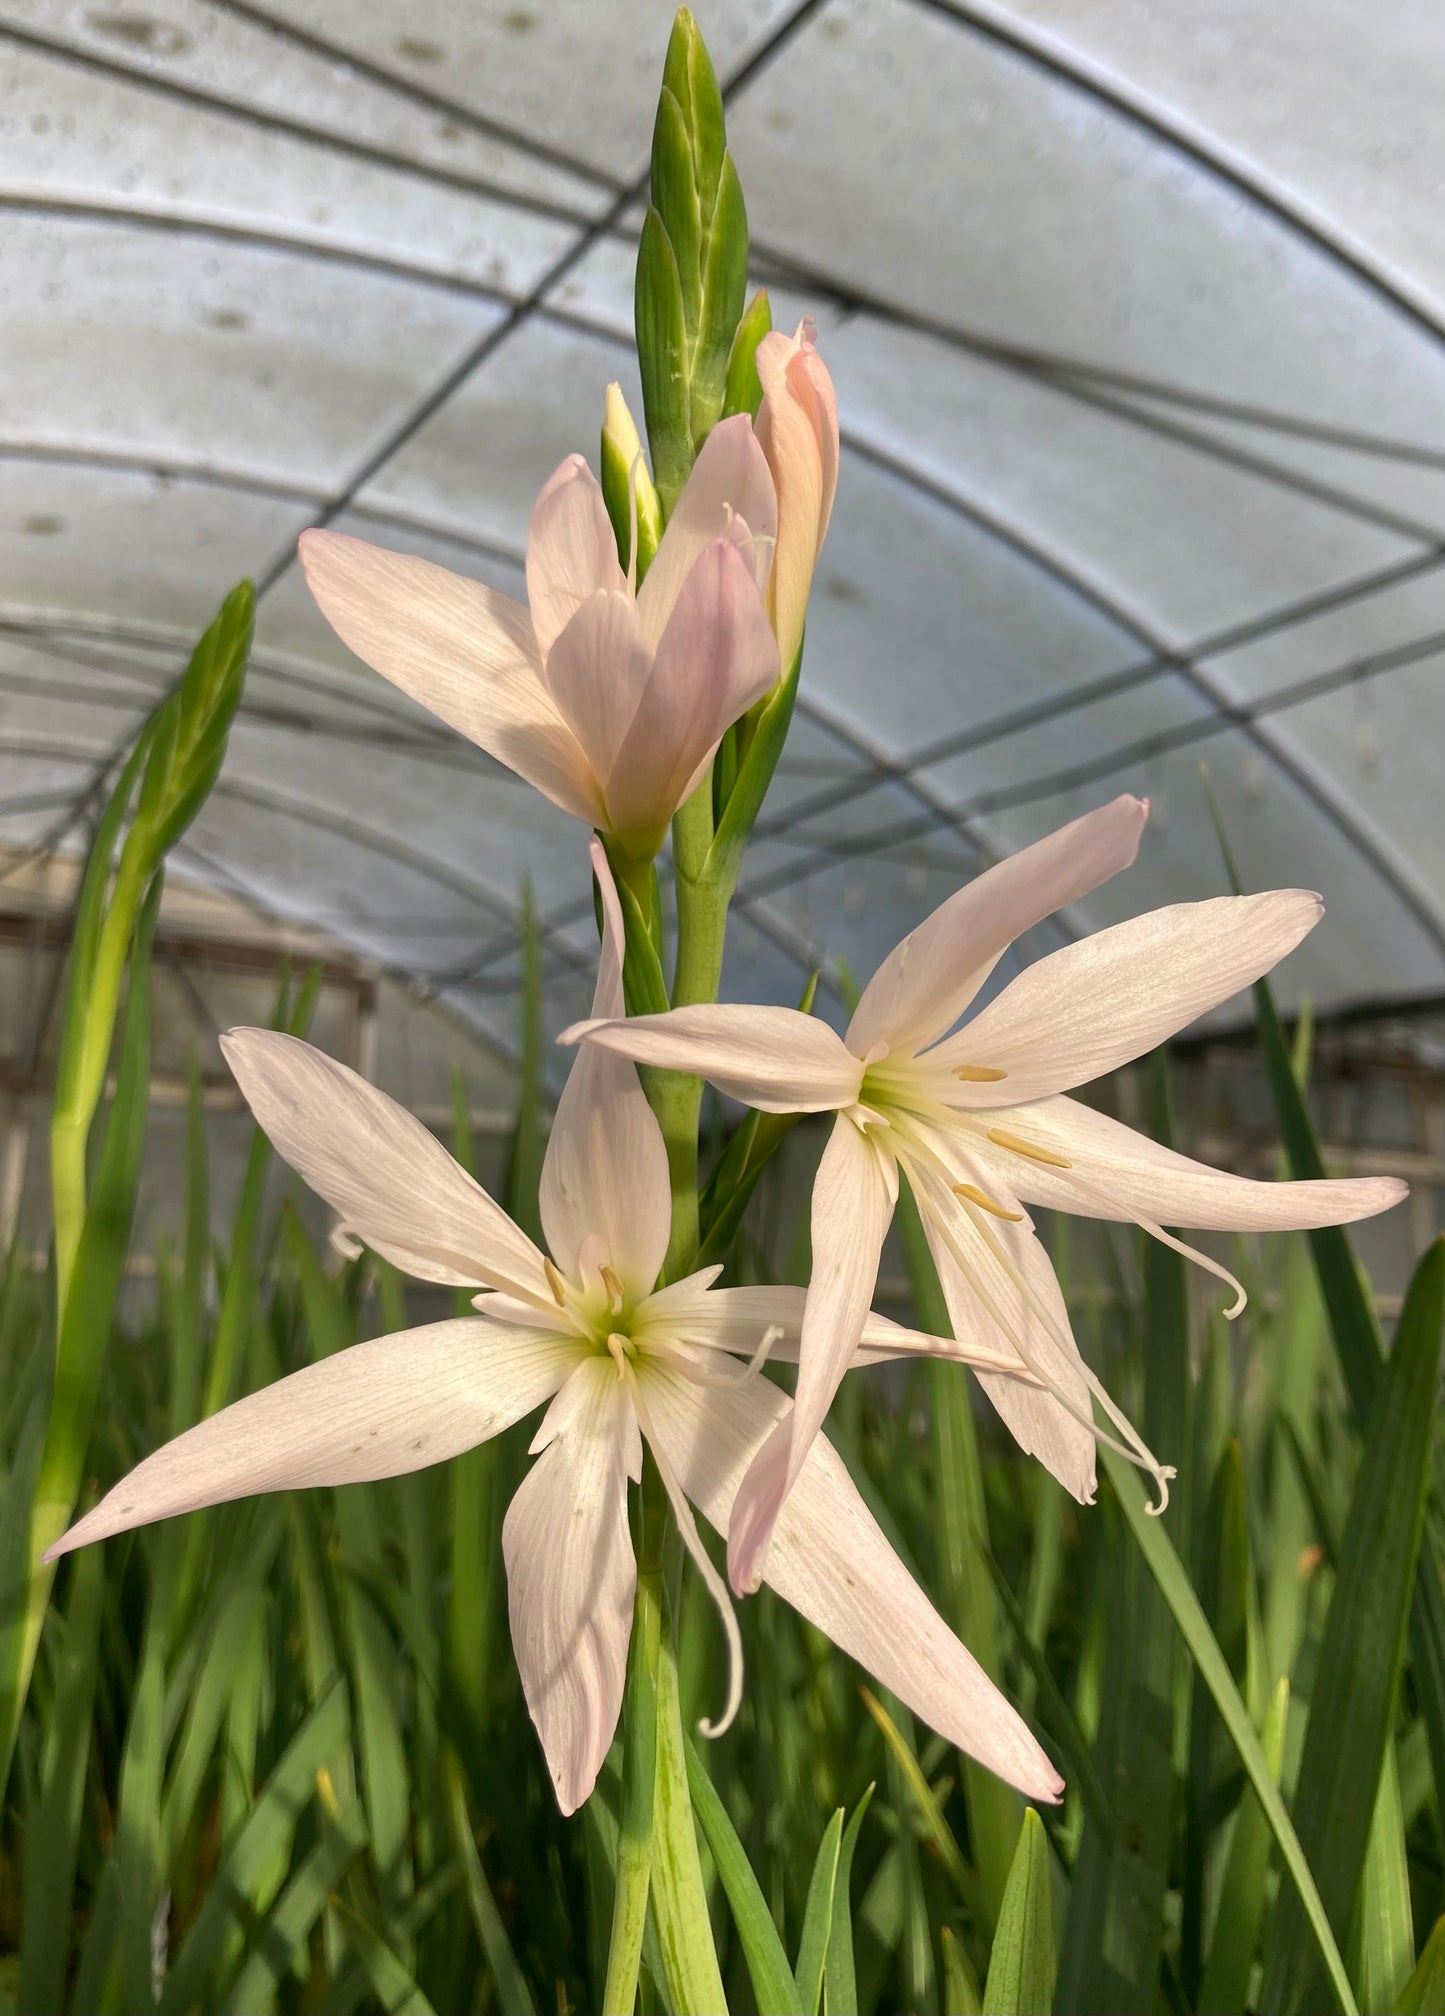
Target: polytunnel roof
[[1136, 311]]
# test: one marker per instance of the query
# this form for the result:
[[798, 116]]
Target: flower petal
[[854, 1193], [571, 1574], [715, 658], [927, 981], [464, 652], [1135, 1175], [1094, 1005], [775, 1059], [798, 432], [737, 1320], [605, 1170], [830, 1560], [571, 551], [730, 480], [392, 1182], [379, 1409], [597, 672], [1022, 1306]]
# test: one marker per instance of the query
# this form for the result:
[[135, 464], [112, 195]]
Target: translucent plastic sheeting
[[1135, 321]]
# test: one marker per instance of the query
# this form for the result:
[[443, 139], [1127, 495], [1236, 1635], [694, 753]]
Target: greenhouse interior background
[[1136, 315], [1140, 360]]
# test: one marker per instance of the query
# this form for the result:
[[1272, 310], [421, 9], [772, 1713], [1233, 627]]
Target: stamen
[[711, 1366], [1098, 1194], [760, 1357], [555, 1282], [1001, 1139], [621, 1350], [699, 1368], [702, 1561], [971, 1194], [614, 1289], [1135, 1450], [978, 1074]]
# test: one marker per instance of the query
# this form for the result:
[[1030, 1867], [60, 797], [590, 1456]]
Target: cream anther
[[971, 1194], [1001, 1139], [555, 1282], [978, 1074]]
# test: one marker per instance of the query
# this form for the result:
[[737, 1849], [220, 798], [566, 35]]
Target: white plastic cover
[[1137, 317]]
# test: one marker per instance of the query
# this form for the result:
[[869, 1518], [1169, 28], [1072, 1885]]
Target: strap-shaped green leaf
[[1357, 1340], [52, 1834], [818, 1917], [514, 1997], [1224, 1588], [1021, 1967], [961, 1995], [1170, 1574], [772, 1977], [1425, 1990], [284, 1933], [270, 1824], [1384, 1916], [1243, 1894], [840, 1974], [1364, 1642], [935, 1826]]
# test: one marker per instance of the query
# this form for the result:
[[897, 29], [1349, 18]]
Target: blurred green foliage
[[275, 1756]]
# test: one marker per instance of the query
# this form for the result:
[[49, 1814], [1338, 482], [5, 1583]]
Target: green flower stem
[[639, 1752], [702, 913], [657, 1851]]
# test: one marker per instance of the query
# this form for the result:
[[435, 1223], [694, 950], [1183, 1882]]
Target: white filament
[[1134, 1449], [691, 1539]]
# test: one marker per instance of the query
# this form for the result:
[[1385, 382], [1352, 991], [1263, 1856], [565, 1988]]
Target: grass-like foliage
[[275, 1756]]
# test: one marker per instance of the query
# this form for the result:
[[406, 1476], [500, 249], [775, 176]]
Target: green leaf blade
[[1169, 1573], [818, 1917], [1021, 1968], [1364, 1641]]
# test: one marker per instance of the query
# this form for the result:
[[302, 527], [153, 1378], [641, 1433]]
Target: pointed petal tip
[[571, 1796], [1051, 1789], [747, 1556], [317, 542], [240, 1038]]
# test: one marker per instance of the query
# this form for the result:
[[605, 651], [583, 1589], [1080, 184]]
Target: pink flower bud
[[797, 427]]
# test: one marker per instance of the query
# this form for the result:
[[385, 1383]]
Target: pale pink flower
[[617, 1359], [798, 428], [978, 1123], [609, 698]]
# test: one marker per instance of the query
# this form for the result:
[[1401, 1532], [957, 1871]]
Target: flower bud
[[797, 427], [625, 475]]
